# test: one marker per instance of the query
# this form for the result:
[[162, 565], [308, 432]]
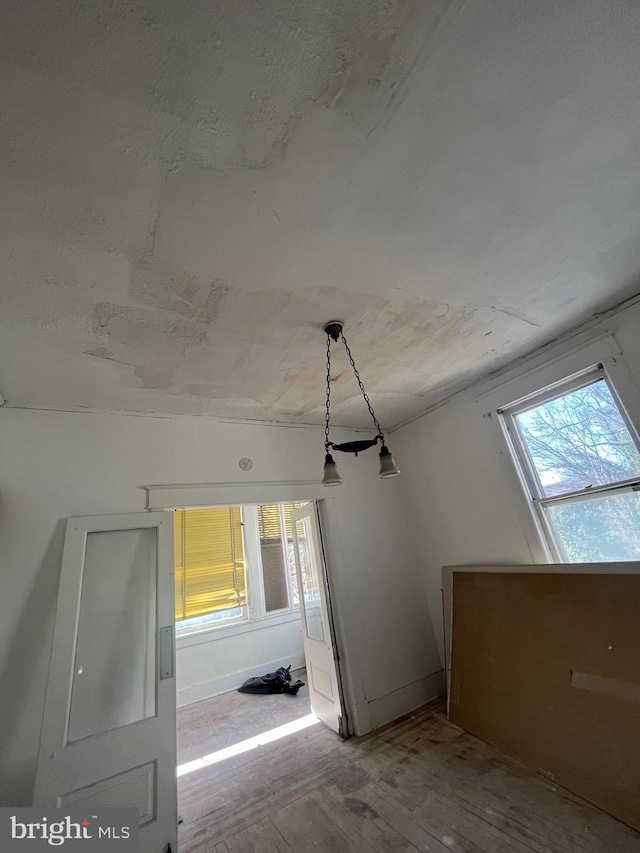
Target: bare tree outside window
[[583, 467]]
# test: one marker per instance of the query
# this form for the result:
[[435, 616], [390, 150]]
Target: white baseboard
[[373, 713], [227, 683]]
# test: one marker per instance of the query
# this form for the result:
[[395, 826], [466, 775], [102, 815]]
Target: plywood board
[[547, 668]]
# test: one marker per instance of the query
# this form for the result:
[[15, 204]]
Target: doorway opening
[[251, 600], [109, 728]]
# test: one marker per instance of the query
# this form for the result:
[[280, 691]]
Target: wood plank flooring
[[419, 784], [214, 724]]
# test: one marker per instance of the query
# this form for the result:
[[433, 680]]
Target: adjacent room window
[[233, 564], [276, 550], [210, 566], [580, 462]]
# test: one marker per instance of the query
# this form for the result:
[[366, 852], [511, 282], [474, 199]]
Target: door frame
[[202, 495]]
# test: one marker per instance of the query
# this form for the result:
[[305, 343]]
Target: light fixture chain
[[328, 401], [364, 393]]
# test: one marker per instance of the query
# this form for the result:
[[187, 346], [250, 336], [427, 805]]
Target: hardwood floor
[[214, 724], [420, 784]]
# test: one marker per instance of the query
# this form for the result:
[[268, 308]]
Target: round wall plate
[[245, 463]]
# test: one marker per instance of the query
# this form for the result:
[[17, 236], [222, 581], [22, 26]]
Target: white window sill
[[209, 635]]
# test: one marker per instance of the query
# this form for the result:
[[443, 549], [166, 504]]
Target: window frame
[[525, 466], [255, 614], [255, 577]]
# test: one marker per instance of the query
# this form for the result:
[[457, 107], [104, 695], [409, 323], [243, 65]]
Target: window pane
[[288, 508], [276, 594], [598, 529], [274, 572], [269, 526], [114, 673], [291, 563], [579, 440], [311, 581], [293, 575], [211, 563]]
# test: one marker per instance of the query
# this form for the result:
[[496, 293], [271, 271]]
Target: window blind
[[209, 561], [288, 508], [269, 523], [271, 518], [269, 527]]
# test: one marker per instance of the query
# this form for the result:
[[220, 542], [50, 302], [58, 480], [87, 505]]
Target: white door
[[322, 675], [109, 730]]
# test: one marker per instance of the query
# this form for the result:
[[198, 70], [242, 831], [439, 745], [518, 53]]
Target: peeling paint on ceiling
[[190, 192]]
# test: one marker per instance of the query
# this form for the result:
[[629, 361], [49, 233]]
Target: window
[[580, 462], [233, 564], [210, 566], [276, 551]]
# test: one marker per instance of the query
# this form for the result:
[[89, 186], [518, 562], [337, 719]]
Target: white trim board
[[626, 568], [248, 626], [546, 369], [232, 494], [230, 682]]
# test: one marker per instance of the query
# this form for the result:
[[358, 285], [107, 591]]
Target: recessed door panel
[[132, 789]]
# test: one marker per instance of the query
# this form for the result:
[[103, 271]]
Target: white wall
[[57, 464], [461, 494], [214, 663]]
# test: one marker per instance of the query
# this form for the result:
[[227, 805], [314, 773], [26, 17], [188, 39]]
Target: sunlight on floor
[[251, 743]]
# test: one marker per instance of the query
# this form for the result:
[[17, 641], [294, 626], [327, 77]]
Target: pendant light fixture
[[387, 465]]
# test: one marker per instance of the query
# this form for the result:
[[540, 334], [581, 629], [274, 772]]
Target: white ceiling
[[192, 189]]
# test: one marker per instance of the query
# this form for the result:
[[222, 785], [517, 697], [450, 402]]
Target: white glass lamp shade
[[331, 475], [387, 465]]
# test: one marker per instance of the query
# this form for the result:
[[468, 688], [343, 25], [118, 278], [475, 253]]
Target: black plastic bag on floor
[[272, 682]]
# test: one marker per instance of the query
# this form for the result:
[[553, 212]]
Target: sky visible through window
[[579, 441]]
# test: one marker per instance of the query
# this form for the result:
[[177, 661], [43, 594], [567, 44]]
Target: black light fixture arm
[[364, 393], [334, 331], [356, 446]]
